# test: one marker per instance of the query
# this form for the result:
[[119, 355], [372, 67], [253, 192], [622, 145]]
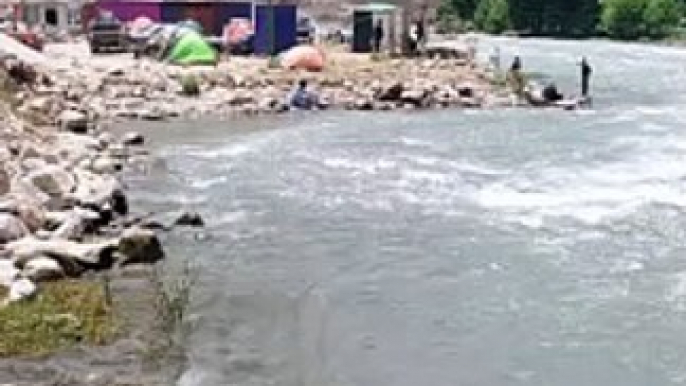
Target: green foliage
[[619, 19], [492, 16], [632, 19], [63, 314], [462, 9], [660, 17]]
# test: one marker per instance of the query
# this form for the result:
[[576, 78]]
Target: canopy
[[303, 57], [192, 49]]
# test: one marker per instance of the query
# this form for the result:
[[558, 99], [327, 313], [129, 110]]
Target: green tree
[[624, 19], [464, 9], [492, 16], [660, 17]]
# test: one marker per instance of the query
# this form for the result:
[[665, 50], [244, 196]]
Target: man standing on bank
[[586, 72]]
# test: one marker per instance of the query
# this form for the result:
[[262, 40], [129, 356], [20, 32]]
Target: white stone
[[8, 272], [11, 228], [43, 268], [21, 289]]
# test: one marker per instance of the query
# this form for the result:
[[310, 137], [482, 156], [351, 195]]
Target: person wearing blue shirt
[[302, 98]]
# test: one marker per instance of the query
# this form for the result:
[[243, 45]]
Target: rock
[[363, 104], [140, 246], [152, 114], [52, 180], [105, 139], [465, 92], [29, 210], [43, 269], [99, 192], [21, 289], [106, 165], [74, 121], [94, 255], [5, 181], [133, 139], [8, 272], [11, 228], [191, 219], [39, 104], [416, 98], [77, 223], [392, 93]]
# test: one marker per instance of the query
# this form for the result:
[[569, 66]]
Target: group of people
[[549, 94]]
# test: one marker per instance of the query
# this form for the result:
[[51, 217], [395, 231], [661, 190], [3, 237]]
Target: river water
[[483, 248]]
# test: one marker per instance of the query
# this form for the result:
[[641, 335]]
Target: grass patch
[[63, 314]]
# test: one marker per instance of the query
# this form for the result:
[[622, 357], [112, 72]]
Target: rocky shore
[[124, 88], [64, 217]]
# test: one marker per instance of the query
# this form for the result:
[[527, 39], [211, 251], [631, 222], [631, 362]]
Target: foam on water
[[522, 245]]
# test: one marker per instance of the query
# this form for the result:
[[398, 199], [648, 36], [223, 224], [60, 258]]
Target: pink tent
[[304, 57]]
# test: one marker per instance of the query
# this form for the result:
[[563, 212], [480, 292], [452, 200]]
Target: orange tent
[[304, 57]]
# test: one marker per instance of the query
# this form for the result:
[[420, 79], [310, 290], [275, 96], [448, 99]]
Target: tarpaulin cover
[[303, 58]]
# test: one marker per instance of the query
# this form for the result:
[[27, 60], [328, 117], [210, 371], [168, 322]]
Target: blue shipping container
[[275, 28]]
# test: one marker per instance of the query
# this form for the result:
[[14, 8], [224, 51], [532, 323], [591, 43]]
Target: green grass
[[62, 315]]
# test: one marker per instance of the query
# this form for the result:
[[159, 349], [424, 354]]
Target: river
[[485, 248]]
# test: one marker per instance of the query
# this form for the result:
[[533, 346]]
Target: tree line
[[619, 19]]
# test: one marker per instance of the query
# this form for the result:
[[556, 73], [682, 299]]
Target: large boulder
[[133, 139], [21, 289], [100, 192], [140, 246], [95, 255], [26, 208], [392, 93], [8, 272], [74, 121], [76, 224], [11, 228], [416, 98], [43, 269], [53, 181]]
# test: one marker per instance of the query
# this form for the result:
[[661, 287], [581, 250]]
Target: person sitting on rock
[[302, 98]]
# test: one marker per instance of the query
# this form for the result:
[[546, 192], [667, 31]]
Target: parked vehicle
[[106, 32]]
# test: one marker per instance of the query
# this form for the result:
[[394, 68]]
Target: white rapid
[[448, 248]]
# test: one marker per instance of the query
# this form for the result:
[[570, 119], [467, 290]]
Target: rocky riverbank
[[64, 218], [124, 88]]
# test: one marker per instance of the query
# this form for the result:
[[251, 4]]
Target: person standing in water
[[586, 72]]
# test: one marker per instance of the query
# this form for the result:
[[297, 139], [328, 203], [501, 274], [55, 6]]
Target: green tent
[[192, 49]]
